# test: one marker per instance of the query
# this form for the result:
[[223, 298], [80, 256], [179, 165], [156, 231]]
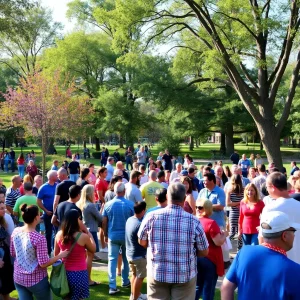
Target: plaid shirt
[[173, 237], [30, 251]]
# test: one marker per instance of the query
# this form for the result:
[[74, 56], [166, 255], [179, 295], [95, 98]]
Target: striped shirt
[[173, 237], [12, 196]]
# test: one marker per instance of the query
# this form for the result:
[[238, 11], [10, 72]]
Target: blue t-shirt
[[103, 155], [216, 196], [47, 193], [244, 164], [133, 248], [262, 273], [110, 172], [117, 211]]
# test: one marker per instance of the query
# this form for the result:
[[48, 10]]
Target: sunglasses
[[199, 207]]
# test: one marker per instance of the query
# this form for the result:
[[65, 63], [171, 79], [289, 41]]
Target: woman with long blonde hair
[[250, 210], [27, 178], [92, 218]]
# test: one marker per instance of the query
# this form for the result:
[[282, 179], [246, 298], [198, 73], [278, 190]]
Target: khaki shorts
[[138, 267]]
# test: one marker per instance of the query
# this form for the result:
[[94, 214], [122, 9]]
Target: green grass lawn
[[100, 292], [202, 152]]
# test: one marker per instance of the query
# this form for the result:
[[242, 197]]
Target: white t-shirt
[[291, 207], [10, 223], [174, 175], [132, 193], [267, 200], [144, 179]]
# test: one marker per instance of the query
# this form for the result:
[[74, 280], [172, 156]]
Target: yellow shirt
[[148, 192]]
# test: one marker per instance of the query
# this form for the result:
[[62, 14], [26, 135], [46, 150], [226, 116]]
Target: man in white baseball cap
[[265, 271]]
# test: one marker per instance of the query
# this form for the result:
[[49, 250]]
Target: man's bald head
[[153, 175]]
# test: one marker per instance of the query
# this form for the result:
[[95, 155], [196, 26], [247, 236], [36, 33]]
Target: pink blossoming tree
[[47, 107]]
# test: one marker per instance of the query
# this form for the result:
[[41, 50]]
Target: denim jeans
[[21, 170], [12, 165], [95, 237], [113, 252], [129, 163], [74, 177], [206, 279], [40, 291], [6, 165], [48, 232], [250, 239]]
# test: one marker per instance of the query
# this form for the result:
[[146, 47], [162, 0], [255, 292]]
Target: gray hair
[[62, 171], [51, 173], [119, 188], [178, 164], [153, 175], [176, 192]]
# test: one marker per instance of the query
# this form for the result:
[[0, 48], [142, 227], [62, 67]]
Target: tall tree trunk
[[51, 147], [191, 143], [261, 146], [97, 144], [121, 142], [197, 143], [229, 141], [223, 145], [270, 138], [84, 143], [44, 152]]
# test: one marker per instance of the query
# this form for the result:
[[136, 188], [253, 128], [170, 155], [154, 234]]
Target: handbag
[[227, 245], [58, 278]]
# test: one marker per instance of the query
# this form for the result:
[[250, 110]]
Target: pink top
[[249, 217], [68, 152], [30, 250], [76, 261], [93, 178]]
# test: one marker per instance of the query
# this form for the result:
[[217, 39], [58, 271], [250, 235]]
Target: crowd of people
[[170, 222]]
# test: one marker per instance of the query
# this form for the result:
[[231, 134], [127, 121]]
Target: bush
[[96, 154], [237, 140], [171, 143]]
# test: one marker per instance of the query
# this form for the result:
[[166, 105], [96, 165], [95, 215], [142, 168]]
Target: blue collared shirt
[[216, 196], [117, 212]]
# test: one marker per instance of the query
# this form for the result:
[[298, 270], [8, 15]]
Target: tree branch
[[238, 20], [283, 60], [291, 94], [226, 82], [251, 80]]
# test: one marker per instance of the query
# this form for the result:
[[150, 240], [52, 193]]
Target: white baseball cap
[[278, 221]]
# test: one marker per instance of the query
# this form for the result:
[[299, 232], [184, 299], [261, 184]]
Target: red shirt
[[215, 255], [20, 161], [76, 261], [21, 189], [101, 185], [249, 217]]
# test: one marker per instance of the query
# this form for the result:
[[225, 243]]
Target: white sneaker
[[104, 250], [142, 297]]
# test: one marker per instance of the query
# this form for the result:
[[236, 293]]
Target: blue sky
[[59, 8]]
